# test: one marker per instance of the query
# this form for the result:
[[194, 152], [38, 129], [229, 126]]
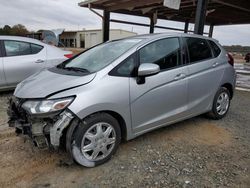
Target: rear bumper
[[45, 131]]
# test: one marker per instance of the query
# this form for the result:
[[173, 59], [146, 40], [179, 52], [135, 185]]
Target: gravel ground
[[194, 153]]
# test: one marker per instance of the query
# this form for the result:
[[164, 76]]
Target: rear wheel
[[95, 140], [221, 104]]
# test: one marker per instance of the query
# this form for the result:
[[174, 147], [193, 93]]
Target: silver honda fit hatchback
[[122, 89]]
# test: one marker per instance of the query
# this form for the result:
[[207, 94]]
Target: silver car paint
[[2, 76], [152, 104], [146, 69], [17, 68], [47, 83], [165, 98]]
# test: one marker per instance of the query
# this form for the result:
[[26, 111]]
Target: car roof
[[169, 34], [24, 39]]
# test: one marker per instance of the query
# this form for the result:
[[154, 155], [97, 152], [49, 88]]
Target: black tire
[[80, 131], [213, 114]]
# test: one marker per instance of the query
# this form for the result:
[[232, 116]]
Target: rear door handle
[[39, 61], [179, 76], [215, 64]]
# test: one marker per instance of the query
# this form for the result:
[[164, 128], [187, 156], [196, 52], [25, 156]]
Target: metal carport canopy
[[210, 12]]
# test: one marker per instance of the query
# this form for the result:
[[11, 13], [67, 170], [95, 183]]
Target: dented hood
[[45, 83]]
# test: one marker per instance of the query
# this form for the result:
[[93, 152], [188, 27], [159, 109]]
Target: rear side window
[[198, 49], [165, 53], [18, 48], [215, 48]]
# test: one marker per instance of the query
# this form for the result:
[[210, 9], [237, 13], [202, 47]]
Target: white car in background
[[21, 57]]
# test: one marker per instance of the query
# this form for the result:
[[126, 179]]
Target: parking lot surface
[[243, 75], [194, 153]]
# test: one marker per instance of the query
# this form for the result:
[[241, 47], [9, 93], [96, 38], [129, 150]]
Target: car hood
[[45, 83]]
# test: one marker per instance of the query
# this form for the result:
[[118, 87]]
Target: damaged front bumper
[[45, 131]]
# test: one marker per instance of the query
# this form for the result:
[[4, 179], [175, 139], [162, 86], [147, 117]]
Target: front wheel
[[95, 140], [221, 104]]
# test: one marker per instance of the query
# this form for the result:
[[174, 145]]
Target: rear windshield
[[100, 56]]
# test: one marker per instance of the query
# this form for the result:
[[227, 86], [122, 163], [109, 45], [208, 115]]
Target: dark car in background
[[247, 57]]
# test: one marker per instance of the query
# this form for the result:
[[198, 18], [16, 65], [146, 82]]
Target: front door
[[22, 60], [163, 97]]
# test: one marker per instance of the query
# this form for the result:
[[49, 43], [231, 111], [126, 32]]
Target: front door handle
[[179, 76], [215, 64], [39, 61]]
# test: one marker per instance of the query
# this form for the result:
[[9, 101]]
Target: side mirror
[[148, 69]]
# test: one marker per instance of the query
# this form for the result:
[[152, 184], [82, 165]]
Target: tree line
[[238, 49], [17, 30]]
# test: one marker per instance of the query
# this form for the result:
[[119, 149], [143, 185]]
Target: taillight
[[230, 59], [68, 55]]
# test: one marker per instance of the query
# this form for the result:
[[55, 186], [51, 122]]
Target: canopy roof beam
[[132, 4], [148, 25], [232, 5], [219, 12]]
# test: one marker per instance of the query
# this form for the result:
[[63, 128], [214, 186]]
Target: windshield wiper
[[76, 69]]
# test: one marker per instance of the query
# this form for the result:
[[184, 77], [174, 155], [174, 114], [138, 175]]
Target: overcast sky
[[54, 14]]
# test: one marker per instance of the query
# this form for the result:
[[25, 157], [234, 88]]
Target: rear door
[[205, 72], [163, 97], [2, 76], [21, 60]]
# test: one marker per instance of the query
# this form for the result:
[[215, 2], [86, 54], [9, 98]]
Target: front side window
[[17, 48], [165, 53], [198, 49], [100, 56]]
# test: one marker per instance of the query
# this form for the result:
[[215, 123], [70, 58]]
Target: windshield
[[100, 56]]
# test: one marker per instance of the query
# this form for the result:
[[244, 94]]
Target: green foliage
[[238, 49], [17, 30]]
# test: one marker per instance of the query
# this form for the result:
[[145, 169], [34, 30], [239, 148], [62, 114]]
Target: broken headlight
[[47, 105]]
